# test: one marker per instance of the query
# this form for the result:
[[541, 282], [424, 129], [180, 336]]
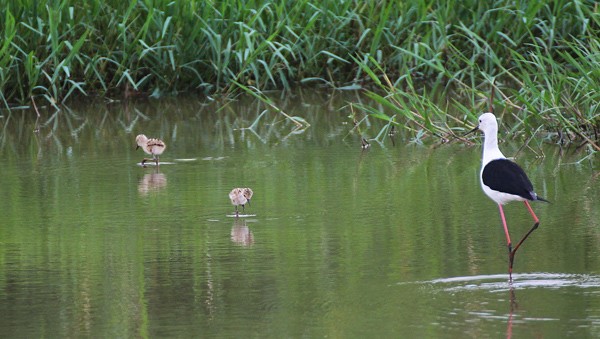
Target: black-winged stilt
[[240, 196], [503, 180], [151, 146]]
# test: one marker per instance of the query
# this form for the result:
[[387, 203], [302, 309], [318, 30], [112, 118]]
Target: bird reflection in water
[[241, 234], [512, 308], [152, 182]]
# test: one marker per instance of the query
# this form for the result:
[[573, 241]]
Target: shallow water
[[397, 240]]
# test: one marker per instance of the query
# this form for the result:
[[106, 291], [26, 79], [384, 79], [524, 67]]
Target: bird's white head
[[488, 124], [248, 193], [141, 140]]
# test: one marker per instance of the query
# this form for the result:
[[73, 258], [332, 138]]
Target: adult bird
[[503, 180], [240, 197], [154, 147]]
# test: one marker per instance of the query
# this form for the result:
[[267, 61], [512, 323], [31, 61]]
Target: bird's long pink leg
[[511, 255], [535, 226], [535, 218], [508, 243]]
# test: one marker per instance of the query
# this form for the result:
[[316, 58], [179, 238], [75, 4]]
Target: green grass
[[419, 59]]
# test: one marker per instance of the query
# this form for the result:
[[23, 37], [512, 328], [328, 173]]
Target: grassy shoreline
[[541, 58]]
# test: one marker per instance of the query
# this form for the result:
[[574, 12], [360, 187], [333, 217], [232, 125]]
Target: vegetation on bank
[[416, 57]]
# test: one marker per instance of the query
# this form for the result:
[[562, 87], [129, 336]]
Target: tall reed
[[540, 55]]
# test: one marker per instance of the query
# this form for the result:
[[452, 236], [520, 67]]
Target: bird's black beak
[[136, 147], [471, 131], [248, 202]]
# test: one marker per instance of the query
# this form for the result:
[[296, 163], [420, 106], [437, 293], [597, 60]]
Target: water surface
[[394, 241]]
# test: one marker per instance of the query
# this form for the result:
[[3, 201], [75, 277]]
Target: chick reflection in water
[[152, 182], [241, 234], [240, 196]]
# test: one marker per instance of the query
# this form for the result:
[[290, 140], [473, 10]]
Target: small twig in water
[[35, 107]]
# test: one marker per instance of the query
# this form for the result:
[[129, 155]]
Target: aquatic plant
[[539, 69], [541, 56]]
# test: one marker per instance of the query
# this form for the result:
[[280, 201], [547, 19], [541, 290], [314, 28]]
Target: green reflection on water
[[344, 242]]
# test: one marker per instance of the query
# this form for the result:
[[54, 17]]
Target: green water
[[395, 241]]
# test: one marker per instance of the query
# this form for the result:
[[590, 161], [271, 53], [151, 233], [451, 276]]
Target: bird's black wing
[[506, 176]]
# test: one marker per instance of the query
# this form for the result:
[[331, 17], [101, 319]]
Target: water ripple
[[500, 282]]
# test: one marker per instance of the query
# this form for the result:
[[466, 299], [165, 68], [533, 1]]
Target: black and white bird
[[503, 180]]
